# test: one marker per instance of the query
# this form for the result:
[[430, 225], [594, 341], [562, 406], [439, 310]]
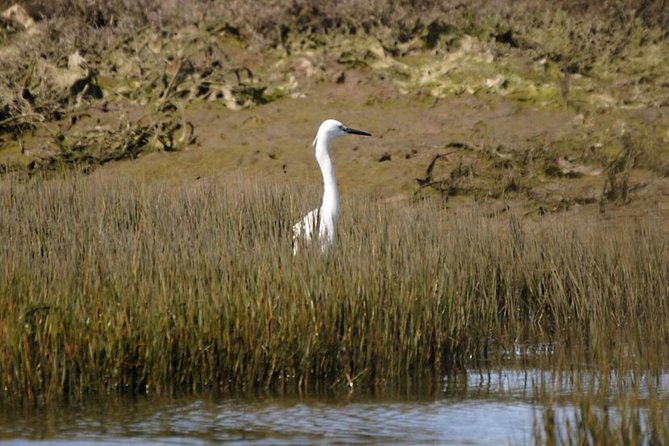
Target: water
[[282, 423], [471, 409], [285, 423]]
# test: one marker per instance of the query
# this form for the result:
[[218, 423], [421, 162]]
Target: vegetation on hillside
[[134, 67]]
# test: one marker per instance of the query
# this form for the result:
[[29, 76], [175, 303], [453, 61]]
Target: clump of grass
[[127, 141], [117, 286]]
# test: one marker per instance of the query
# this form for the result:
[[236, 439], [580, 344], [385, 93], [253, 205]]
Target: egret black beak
[[356, 132]]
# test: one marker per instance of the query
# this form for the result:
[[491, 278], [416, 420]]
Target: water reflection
[[477, 408], [285, 422]]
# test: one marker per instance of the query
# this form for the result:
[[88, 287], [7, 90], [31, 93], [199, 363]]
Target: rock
[[19, 15], [571, 170], [384, 157], [339, 77], [75, 62], [308, 68]]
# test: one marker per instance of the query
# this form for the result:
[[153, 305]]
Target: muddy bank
[[518, 107]]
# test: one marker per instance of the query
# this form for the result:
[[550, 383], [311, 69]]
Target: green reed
[[120, 286]]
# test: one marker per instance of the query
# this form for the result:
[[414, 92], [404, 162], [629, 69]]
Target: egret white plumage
[[321, 223]]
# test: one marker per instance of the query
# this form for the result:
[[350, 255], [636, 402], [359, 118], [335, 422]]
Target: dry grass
[[114, 286]]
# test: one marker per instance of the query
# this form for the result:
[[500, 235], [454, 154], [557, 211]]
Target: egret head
[[332, 128]]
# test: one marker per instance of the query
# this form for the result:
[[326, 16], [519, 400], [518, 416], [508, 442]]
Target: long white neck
[[330, 206]]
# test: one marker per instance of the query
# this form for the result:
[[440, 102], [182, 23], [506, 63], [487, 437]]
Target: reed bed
[[112, 285]]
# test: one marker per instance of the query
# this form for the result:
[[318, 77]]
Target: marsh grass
[[600, 407], [112, 285]]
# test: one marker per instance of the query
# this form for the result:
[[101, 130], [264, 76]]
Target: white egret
[[322, 222]]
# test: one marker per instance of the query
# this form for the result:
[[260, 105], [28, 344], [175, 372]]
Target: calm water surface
[[475, 409]]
